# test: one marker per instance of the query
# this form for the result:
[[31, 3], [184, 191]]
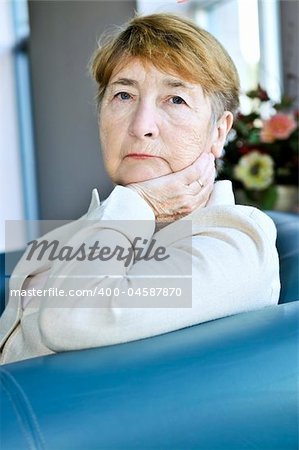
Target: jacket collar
[[222, 194]]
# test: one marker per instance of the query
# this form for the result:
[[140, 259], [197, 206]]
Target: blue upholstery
[[2, 282], [227, 384], [7, 264], [288, 248]]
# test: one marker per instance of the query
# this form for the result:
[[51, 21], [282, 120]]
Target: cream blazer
[[234, 269]]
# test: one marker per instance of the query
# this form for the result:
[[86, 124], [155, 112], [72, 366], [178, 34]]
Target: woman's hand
[[175, 195]]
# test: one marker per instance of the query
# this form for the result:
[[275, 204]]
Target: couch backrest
[[7, 263], [287, 225]]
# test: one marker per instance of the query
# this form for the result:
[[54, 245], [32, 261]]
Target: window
[[18, 194], [248, 29]]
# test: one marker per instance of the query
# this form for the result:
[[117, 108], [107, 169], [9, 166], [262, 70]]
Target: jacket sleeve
[[233, 268]]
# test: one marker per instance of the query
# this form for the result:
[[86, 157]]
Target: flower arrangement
[[261, 152]]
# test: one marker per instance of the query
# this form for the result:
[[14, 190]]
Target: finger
[[207, 177], [198, 169], [195, 187], [209, 173], [204, 195]]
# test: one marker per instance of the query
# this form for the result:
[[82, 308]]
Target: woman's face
[[152, 123]]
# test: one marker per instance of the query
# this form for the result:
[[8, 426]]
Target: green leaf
[[269, 198]]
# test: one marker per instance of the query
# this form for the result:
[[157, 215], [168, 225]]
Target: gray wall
[[289, 10], [63, 37]]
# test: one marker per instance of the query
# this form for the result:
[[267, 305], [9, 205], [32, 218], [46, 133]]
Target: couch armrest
[[225, 384]]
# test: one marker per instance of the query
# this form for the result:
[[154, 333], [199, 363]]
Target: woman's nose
[[144, 122]]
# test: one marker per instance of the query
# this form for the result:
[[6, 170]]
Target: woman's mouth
[[140, 156]]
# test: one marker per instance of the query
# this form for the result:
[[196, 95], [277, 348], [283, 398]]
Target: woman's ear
[[220, 132]]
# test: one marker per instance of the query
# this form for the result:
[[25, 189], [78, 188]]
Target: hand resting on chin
[[175, 195]]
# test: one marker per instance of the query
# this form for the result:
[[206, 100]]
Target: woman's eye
[[123, 96], [178, 100]]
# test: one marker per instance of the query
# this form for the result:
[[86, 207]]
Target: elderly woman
[[167, 92]]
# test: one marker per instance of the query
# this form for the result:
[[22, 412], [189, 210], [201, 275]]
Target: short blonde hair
[[172, 44]]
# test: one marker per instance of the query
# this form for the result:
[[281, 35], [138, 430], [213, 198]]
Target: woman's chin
[[141, 172]]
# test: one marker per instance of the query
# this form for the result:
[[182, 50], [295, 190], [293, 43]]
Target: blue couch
[[231, 383]]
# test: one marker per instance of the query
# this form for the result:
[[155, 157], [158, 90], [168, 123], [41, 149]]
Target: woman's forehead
[[139, 66], [133, 69]]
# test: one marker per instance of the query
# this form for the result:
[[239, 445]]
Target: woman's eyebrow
[[169, 82], [125, 82], [174, 82]]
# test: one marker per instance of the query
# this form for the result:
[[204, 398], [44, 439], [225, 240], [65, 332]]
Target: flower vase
[[287, 199], [242, 198]]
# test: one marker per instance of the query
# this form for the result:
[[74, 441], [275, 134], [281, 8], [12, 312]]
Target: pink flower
[[280, 126], [181, 1]]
